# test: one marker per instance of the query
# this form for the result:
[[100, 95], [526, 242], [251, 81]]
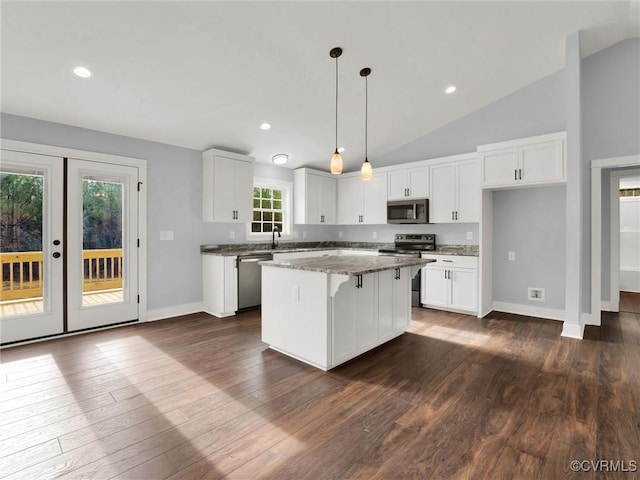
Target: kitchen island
[[327, 310]]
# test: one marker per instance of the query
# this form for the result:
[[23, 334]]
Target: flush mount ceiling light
[[450, 89], [336, 158], [265, 126], [82, 72], [366, 173], [341, 149], [280, 159]]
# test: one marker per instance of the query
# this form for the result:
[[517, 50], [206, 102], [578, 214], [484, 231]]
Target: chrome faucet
[[274, 242]]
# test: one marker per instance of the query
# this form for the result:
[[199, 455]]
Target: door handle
[[56, 254]]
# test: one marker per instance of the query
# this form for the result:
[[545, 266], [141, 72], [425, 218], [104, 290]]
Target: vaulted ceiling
[[204, 74]]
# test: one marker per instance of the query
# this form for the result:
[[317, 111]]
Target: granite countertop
[[348, 264], [466, 250], [239, 249], [232, 250]]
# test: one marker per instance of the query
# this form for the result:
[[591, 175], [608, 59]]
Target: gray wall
[[531, 223], [446, 233], [537, 109], [174, 203], [610, 125]]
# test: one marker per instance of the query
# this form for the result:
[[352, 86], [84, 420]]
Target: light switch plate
[[166, 235], [469, 235], [511, 256]]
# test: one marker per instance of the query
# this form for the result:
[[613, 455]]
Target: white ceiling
[[204, 74]]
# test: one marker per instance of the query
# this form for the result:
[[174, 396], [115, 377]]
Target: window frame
[[287, 210]]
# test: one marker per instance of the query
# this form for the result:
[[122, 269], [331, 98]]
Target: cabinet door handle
[[448, 261], [397, 275], [515, 174], [358, 281], [321, 218], [452, 216], [456, 215], [520, 173], [408, 192]]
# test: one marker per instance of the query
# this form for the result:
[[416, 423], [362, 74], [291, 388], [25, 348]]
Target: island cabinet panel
[[394, 302], [295, 312], [326, 319]]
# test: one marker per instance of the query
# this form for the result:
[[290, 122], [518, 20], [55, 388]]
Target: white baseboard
[[609, 306], [529, 310], [572, 330], [174, 311]]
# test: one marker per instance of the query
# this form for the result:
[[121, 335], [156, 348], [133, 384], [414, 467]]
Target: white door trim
[[141, 164], [596, 229]]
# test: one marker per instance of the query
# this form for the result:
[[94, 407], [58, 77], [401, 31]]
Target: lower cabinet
[[219, 285], [451, 283], [369, 310]]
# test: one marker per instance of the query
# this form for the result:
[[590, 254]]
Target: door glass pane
[[102, 235], [21, 207]]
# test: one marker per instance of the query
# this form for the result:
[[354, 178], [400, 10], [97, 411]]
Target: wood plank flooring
[[196, 397]]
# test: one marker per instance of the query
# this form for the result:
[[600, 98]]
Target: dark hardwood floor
[[198, 397]]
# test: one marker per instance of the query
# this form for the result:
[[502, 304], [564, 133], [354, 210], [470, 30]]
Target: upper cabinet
[[314, 197], [362, 203], [407, 183], [525, 162], [227, 187], [455, 192]]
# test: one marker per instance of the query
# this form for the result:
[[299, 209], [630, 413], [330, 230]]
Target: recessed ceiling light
[[265, 126], [280, 159], [341, 149], [82, 72], [450, 89]]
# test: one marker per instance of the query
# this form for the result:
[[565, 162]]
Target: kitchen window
[[271, 208]]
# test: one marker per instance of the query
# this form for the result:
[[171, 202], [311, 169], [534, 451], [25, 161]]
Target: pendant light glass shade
[[366, 172], [336, 163], [336, 158]]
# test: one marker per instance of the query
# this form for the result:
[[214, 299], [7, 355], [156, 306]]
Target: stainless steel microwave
[[408, 211]]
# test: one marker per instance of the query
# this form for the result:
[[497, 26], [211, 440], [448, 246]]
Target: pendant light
[[366, 173], [336, 158]]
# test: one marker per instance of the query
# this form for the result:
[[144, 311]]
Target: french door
[[69, 245]]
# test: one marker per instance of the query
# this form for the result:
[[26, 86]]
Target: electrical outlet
[[296, 234], [340, 234], [232, 234], [469, 235], [166, 234], [511, 256], [374, 234], [535, 293], [304, 234]]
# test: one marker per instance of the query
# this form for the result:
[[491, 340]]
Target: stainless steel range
[[411, 244]]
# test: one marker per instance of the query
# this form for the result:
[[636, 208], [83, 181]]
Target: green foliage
[[102, 214], [21, 212]]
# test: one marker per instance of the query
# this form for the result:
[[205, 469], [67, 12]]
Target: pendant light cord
[[366, 117], [336, 104]]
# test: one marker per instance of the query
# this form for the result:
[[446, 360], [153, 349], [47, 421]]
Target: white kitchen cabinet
[[406, 183], [219, 285], [451, 283], [455, 192], [227, 187], [524, 162], [394, 302], [362, 203], [314, 197]]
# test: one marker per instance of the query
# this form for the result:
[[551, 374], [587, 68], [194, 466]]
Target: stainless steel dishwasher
[[250, 279]]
